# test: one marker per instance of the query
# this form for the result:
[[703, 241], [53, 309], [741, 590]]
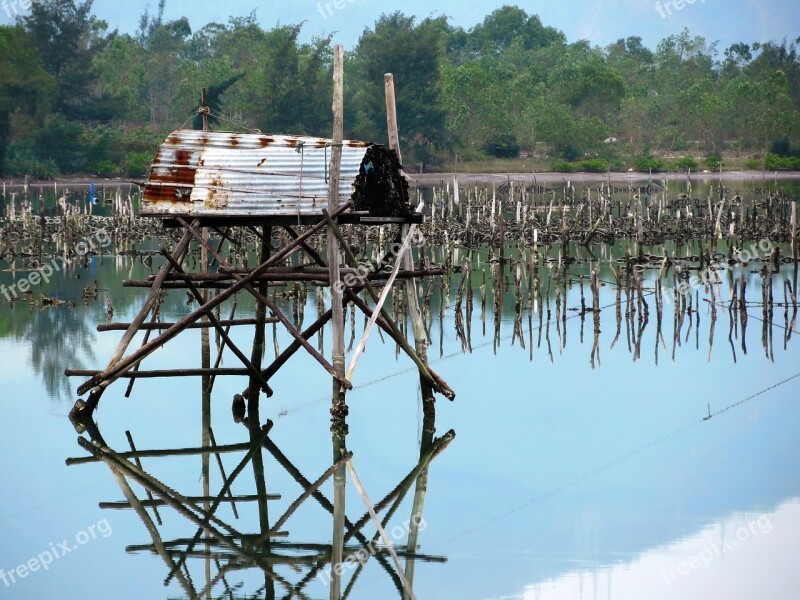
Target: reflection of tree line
[[57, 333]]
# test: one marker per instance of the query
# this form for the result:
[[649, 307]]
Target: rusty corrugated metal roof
[[205, 173]]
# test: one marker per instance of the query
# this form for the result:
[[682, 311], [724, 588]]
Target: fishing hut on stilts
[[208, 183]]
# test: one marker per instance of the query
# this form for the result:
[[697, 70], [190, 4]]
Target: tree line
[[78, 97]]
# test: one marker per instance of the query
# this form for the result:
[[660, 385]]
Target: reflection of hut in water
[[227, 549]]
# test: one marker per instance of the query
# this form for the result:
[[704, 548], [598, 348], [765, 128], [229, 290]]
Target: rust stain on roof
[[182, 157]]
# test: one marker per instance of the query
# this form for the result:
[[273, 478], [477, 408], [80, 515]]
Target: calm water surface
[[582, 467]]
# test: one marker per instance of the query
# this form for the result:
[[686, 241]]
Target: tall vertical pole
[[412, 299], [338, 409], [205, 356]]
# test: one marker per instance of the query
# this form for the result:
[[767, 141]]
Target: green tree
[[27, 91], [414, 53], [165, 67], [507, 25], [68, 37]]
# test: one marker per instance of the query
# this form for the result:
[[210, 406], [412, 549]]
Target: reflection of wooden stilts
[[304, 496], [396, 497], [158, 545], [407, 590], [221, 468], [244, 551], [428, 430], [229, 499], [326, 504], [139, 464], [163, 453]]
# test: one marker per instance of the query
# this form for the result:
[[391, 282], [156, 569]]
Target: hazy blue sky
[[600, 22]]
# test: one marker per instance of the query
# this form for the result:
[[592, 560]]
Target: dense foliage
[[78, 98]]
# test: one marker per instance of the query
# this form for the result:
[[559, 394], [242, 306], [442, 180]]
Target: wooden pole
[[163, 453], [412, 300], [794, 230], [166, 373], [333, 203], [162, 325], [391, 115], [338, 401], [204, 109]]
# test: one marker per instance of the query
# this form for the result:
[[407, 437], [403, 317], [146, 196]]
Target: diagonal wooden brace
[[434, 380], [272, 306], [254, 372], [112, 372]]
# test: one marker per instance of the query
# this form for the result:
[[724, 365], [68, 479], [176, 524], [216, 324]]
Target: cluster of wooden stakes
[[216, 542]]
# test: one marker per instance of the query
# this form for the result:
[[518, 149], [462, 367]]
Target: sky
[[600, 22]]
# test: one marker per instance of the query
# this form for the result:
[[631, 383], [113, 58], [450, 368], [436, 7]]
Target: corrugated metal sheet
[[205, 173]]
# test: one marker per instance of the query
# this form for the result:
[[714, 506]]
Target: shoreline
[[628, 177], [429, 179]]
